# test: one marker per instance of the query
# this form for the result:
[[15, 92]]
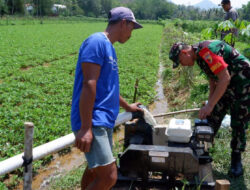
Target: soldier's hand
[[84, 139], [205, 111]]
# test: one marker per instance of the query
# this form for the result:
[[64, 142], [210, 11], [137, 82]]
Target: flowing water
[[160, 104], [61, 164]]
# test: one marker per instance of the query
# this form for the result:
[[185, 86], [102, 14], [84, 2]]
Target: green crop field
[[37, 65]]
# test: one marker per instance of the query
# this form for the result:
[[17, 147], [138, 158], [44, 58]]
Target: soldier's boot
[[236, 165]]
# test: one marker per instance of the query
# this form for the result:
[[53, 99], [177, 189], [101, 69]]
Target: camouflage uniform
[[236, 98]]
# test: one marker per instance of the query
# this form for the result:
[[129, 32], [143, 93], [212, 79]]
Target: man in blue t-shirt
[[96, 98]]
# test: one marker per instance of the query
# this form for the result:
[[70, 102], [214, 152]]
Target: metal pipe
[[39, 152]]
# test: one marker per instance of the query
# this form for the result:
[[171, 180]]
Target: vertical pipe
[[29, 128]]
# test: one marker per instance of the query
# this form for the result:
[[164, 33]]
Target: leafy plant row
[[42, 92], [208, 30]]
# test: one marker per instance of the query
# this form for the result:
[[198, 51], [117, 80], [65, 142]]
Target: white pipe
[[15, 162], [39, 152], [123, 117]]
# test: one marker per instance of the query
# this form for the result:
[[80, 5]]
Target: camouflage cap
[[174, 53]]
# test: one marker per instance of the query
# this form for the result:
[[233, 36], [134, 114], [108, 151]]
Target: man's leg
[[239, 126], [87, 178], [240, 114], [105, 177], [101, 172], [238, 145]]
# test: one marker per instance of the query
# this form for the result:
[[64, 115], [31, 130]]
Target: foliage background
[[143, 9]]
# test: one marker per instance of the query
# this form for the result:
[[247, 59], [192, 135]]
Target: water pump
[[159, 155]]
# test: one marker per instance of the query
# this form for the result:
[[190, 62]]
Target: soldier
[[229, 80]]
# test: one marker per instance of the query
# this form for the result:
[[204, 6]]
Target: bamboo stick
[[177, 112]]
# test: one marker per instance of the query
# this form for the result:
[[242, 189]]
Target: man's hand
[[130, 107], [84, 139], [134, 107], [205, 111]]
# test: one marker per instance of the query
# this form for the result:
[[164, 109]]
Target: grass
[[69, 181], [221, 154], [182, 82]]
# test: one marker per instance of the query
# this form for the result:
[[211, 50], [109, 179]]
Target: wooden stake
[[28, 155], [135, 92], [222, 184]]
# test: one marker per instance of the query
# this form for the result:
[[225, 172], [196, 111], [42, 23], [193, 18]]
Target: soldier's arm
[[212, 85], [220, 88]]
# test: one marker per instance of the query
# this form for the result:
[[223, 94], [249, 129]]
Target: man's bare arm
[[91, 74], [219, 90], [129, 107]]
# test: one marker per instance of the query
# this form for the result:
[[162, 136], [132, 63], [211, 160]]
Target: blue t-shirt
[[97, 49]]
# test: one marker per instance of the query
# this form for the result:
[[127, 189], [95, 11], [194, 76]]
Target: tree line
[[143, 9]]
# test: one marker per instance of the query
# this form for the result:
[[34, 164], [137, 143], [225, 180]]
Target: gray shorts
[[100, 153]]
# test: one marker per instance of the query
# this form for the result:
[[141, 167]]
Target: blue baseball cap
[[119, 13]]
